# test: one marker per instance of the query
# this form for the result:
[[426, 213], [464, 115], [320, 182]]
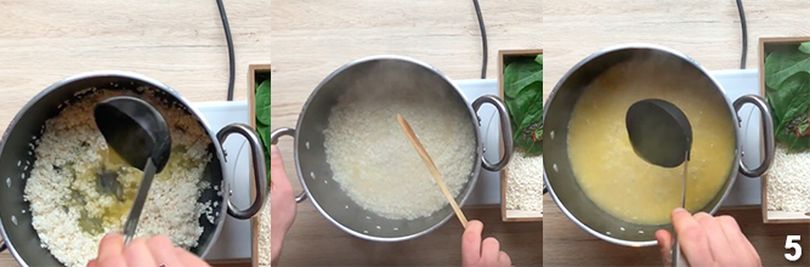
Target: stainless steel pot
[[310, 158], [560, 177], [21, 238]]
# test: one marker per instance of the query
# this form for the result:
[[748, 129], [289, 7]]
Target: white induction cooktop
[[234, 240]]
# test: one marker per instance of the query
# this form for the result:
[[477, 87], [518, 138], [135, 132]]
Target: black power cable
[[231, 57], [483, 38], [744, 34]]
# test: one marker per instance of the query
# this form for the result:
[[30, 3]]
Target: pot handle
[[274, 136], [259, 168], [765, 112], [506, 131]]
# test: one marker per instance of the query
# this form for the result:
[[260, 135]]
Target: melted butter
[[90, 225], [109, 177], [117, 212]]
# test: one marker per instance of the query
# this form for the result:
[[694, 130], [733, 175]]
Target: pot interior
[[380, 76], [573, 200], [17, 158]]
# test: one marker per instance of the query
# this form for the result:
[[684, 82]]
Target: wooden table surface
[[179, 42], [708, 31], [312, 38]]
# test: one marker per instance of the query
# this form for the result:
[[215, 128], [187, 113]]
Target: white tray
[[736, 83]]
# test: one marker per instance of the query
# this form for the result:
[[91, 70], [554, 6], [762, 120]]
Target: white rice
[[374, 163], [72, 141], [789, 181], [524, 184], [263, 245]]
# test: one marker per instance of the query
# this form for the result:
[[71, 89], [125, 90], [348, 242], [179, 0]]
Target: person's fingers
[[117, 261], [282, 200], [692, 238], [92, 263], [489, 251], [188, 259], [279, 182], [137, 254], [718, 243], [276, 239], [163, 251], [665, 243], [504, 259], [471, 243], [738, 241], [111, 245]]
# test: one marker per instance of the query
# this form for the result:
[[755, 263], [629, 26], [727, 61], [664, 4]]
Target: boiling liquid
[[614, 177]]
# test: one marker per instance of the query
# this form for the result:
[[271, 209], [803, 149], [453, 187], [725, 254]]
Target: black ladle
[[139, 134], [661, 134]]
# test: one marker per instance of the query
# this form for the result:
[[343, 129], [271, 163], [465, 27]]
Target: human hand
[[708, 241], [282, 204], [475, 253], [153, 251]]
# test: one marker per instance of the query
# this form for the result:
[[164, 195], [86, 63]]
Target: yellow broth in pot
[[613, 176]]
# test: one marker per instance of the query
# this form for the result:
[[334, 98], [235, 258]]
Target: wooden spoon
[[431, 167]]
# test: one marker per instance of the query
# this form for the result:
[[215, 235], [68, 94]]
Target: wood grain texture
[[179, 42], [562, 237], [312, 38], [707, 31], [313, 241]]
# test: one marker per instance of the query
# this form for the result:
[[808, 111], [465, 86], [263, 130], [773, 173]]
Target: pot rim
[[476, 168], [225, 184], [733, 171]]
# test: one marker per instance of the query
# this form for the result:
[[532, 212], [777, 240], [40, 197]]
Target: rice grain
[[377, 167], [70, 146]]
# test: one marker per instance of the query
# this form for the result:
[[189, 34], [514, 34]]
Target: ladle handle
[[767, 122], [259, 169], [506, 131], [678, 260], [274, 136], [140, 200]]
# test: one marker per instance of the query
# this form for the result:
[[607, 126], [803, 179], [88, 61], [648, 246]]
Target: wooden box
[[507, 215], [256, 72], [766, 45]]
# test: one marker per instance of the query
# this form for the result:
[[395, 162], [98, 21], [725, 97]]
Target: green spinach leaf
[[787, 81], [263, 103], [263, 119], [805, 47], [523, 92]]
